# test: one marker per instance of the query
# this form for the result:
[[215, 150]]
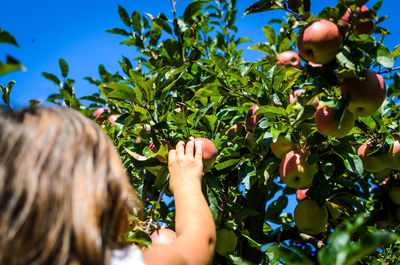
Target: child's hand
[[185, 165]]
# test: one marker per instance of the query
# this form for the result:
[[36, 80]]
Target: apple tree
[[316, 118]]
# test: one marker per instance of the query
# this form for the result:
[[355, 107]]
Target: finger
[[171, 155], [199, 150], [180, 148], [190, 148], [191, 138]]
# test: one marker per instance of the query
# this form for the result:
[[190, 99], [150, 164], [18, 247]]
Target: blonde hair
[[64, 195]]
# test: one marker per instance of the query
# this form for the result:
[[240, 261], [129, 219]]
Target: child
[[65, 199]]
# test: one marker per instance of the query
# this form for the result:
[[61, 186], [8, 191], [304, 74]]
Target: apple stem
[[389, 70]]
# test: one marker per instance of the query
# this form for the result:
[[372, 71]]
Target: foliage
[[191, 80]]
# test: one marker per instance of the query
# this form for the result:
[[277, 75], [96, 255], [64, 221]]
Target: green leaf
[[193, 9], [252, 242], [220, 61], [10, 66], [64, 67], [346, 58], [368, 244], [135, 19], [369, 121], [225, 164], [271, 110], [120, 91], [276, 208], [34, 102], [6, 37], [263, 47], [269, 34], [290, 255], [384, 56], [239, 260], [396, 52], [124, 16], [265, 5], [51, 77], [351, 161], [118, 31]]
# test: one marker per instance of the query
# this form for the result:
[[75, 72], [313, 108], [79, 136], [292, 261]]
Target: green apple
[[281, 146], [309, 217], [326, 123], [372, 164], [295, 171], [320, 41], [382, 175], [364, 97], [394, 193], [226, 242]]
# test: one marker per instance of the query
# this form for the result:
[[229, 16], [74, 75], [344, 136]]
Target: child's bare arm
[[194, 224]]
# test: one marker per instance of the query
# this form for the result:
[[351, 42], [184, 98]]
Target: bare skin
[[194, 224]]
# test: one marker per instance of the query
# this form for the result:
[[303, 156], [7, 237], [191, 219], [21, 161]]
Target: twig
[[226, 87], [152, 209], [388, 71], [173, 8], [298, 16]]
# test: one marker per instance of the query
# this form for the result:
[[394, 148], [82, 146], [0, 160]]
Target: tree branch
[[389, 70]]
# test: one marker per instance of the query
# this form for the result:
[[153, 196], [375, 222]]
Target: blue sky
[[75, 31]]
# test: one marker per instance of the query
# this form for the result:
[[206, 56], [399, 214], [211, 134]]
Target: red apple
[[301, 195], [364, 96], [281, 146], [361, 28], [98, 112], [251, 121], [153, 148], [315, 65], [393, 158], [325, 121], [209, 152], [113, 118], [163, 236], [293, 97], [309, 217], [373, 164], [320, 41], [226, 242], [289, 59], [295, 171]]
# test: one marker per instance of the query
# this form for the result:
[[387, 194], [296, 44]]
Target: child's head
[[64, 195]]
